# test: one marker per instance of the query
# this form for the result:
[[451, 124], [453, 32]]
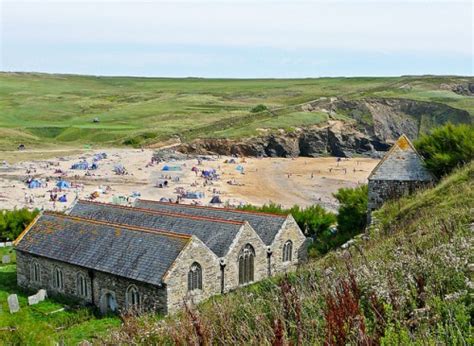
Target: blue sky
[[239, 38]]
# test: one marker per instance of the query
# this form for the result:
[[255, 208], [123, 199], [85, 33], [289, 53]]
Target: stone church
[[399, 173], [153, 256]]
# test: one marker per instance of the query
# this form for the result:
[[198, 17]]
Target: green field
[[47, 110], [37, 325]]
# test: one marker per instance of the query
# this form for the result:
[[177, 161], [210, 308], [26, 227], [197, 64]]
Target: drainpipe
[[269, 260], [222, 265], [91, 276]]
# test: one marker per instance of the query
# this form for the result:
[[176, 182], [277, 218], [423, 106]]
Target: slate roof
[[265, 225], [130, 252], [217, 234], [401, 163]]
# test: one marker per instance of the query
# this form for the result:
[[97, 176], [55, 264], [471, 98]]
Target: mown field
[[50, 110]]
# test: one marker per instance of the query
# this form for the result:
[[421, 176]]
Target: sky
[[239, 38]]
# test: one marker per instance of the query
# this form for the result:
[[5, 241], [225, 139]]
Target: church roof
[[131, 252], [266, 225], [401, 163], [217, 234]]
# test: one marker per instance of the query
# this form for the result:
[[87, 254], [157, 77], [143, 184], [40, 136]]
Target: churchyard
[[48, 321]]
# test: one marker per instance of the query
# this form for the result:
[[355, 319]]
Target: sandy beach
[[302, 181]]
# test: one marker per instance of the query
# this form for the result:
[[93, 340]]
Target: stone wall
[[290, 231], [176, 279], [231, 272], [151, 297], [381, 191]]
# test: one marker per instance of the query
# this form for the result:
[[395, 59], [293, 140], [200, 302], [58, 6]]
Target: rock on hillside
[[371, 125]]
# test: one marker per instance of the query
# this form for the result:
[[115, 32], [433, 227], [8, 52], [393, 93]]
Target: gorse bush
[[13, 222], [259, 108], [446, 148]]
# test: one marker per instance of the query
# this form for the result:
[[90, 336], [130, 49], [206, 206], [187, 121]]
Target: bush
[[13, 222], [259, 108], [313, 220], [352, 213], [446, 148]]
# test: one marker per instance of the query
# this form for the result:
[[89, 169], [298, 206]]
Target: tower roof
[[402, 162]]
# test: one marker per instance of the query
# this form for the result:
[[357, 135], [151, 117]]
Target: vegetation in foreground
[[45, 110], [45, 323], [447, 147], [408, 284]]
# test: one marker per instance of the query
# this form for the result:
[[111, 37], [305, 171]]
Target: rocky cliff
[[366, 127]]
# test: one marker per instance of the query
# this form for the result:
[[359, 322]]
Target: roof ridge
[[392, 149], [125, 226], [159, 212], [213, 208]]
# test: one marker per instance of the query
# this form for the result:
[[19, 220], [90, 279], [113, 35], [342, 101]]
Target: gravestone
[[42, 294], [32, 300], [13, 303], [6, 259]]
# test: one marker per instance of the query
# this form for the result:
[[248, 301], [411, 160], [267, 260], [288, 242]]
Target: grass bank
[[409, 283]]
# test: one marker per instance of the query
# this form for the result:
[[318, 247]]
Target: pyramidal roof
[[402, 162]]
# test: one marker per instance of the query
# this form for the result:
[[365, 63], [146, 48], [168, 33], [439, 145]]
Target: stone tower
[[400, 172]]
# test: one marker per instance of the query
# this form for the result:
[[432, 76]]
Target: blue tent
[[62, 198], [80, 165], [240, 168], [62, 184], [194, 195], [171, 168], [34, 184]]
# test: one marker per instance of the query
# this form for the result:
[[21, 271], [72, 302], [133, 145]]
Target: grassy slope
[[33, 326], [49, 109], [412, 286]]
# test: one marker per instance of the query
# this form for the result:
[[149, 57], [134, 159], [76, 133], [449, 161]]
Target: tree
[[13, 222], [446, 148], [352, 213]]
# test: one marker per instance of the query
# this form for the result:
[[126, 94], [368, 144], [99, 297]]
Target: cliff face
[[366, 127]]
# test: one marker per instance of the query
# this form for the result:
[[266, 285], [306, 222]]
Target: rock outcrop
[[369, 127]]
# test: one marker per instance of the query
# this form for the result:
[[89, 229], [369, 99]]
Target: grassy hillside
[[58, 109], [409, 284]]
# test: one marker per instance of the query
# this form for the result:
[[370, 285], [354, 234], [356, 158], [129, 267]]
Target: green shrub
[[446, 148], [259, 108], [313, 220], [13, 222]]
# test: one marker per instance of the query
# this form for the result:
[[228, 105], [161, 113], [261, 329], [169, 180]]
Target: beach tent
[[164, 199], [100, 156], [240, 168], [216, 200], [34, 184], [119, 169], [62, 184], [194, 195], [94, 166], [171, 168], [62, 199], [80, 165]]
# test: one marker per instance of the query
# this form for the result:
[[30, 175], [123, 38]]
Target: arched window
[[287, 251], [246, 264], [133, 297], [195, 277], [82, 289], [58, 279], [35, 272]]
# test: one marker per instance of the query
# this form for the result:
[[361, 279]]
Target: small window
[[58, 279], [35, 272], [287, 251], [195, 277], [82, 289], [246, 264], [133, 298]]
